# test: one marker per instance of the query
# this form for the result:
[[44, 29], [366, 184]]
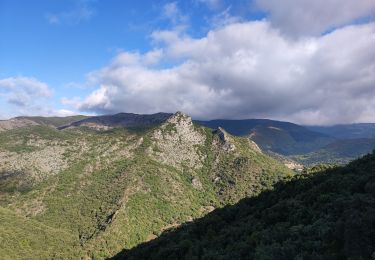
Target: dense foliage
[[318, 215]]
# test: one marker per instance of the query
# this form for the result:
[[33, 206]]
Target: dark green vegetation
[[308, 145], [326, 214], [82, 192]]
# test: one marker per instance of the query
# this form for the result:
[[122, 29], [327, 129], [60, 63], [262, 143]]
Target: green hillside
[[113, 189], [317, 215], [25, 238]]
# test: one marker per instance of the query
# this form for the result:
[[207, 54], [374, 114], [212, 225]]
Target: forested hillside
[[317, 215]]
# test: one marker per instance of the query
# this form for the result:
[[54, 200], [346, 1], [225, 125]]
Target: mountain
[[128, 120], [280, 137], [338, 152], [316, 215], [24, 121], [53, 121], [90, 191], [289, 143], [15, 123], [349, 131], [308, 145]]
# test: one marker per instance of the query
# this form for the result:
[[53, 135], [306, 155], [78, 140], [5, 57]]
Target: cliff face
[[176, 142]]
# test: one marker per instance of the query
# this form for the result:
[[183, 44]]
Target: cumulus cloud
[[307, 17], [246, 70]]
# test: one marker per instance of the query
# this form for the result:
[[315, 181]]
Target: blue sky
[[65, 57], [84, 36]]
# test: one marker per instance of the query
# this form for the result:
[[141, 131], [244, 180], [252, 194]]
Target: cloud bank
[[245, 70], [307, 17]]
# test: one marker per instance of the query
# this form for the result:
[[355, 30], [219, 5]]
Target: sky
[[308, 62]]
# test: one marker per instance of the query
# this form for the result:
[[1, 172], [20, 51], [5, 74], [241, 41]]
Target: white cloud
[[22, 91], [173, 13], [223, 18], [313, 17], [63, 112], [83, 11], [27, 96], [246, 70], [4, 116]]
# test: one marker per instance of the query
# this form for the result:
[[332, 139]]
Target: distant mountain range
[[348, 131], [127, 120], [305, 144], [281, 137]]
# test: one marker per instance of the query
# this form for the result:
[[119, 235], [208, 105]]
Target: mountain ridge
[[285, 141], [119, 187]]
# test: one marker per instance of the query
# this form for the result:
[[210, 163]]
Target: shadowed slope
[[324, 215], [120, 120]]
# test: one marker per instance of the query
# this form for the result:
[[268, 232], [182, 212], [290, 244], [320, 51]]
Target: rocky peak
[[177, 140], [226, 139], [180, 119]]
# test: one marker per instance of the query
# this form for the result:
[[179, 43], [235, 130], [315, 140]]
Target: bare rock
[[177, 142], [226, 140], [197, 183]]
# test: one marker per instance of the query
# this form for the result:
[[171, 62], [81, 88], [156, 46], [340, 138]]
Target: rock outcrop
[[226, 140], [175, 142]]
